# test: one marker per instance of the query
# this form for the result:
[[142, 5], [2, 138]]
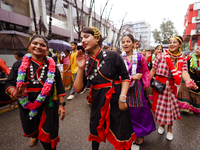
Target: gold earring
[[96, 43]]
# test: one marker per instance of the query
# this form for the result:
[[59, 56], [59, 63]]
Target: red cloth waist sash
[[155, 93]]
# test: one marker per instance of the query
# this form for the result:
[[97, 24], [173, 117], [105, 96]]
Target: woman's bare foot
[[33, 142], [139, 141], [12, 106]]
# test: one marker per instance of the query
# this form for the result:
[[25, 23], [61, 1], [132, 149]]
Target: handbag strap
[[170, 71]]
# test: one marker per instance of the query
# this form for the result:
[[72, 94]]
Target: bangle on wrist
[[122, 96], [12, 94], [62, 103], [123, 101]]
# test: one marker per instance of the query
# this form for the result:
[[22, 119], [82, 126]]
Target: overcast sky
[[152, 11]]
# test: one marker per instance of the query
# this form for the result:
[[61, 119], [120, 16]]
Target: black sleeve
[[85, 81], [12, 77], [59, 84]]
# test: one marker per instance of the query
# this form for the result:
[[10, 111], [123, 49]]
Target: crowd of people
[[121, 95]]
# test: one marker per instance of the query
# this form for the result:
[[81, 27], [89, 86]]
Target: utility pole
[[71, 20]]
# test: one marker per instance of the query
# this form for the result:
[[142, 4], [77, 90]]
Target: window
[[198, 26], [198, 12], [59, 13], [18, 6]]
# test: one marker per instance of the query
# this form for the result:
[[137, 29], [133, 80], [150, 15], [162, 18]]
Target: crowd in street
[[129, 90]]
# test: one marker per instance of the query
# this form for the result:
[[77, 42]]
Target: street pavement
[[74, 131]]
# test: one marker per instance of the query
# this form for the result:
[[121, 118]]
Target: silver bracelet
[[123, 101], [122, 96]]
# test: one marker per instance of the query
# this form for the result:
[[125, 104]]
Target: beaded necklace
[[90, 77]]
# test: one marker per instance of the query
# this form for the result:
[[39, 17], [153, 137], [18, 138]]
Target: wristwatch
[[63, 103]]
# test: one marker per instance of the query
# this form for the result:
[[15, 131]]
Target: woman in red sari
[[165, 105]]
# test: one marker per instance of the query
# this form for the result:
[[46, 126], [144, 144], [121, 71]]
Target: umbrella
[[11, 39], [59, 45]]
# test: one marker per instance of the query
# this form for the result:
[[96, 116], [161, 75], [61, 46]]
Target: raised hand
[[21, 90], [80, 59]]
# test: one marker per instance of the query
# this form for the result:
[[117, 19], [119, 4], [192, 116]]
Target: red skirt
[[165, 106]]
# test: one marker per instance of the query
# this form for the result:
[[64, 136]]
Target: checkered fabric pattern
[[167, 108], [162, 68]]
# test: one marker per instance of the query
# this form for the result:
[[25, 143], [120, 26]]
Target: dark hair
[[130, 36], [144, 49], [180, 42], [136, 40], [73, 42], [90, 31], [158, 46], [106, 47], [19, 54], [38, 36], [67, 51]]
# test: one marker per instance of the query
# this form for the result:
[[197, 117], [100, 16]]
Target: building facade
[[192, 26], [18, 15], [141, 31]]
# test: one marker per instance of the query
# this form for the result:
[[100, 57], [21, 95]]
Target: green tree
[[166, 31]]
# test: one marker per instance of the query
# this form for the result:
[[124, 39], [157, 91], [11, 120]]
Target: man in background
[[74, 67]]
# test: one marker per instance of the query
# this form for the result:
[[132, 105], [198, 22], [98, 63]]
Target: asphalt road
[[74, 131]]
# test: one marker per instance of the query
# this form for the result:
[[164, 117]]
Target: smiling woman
[[169, 64], [36, 82], [110, 117]]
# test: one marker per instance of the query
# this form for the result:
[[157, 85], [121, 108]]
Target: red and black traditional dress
[[107, 121], [45, 124]]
